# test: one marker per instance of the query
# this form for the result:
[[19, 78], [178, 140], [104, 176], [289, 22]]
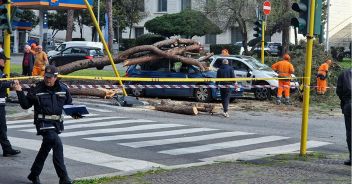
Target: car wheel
[[202, 94], [262, 93]]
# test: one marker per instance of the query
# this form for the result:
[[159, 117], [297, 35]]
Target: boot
[[65, 180], [11, 152], [34, 179], [287, 101], [278, 100]]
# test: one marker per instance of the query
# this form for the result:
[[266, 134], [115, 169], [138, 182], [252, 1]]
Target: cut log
[[188, 110], [102, 93]]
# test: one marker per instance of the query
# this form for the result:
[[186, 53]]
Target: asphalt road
[[123, 140]]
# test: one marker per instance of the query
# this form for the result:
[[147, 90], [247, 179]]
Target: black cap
[[51, 71]]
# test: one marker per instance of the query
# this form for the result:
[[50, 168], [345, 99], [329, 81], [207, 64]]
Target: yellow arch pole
[[104, 43], [307, 77], [7, 45]]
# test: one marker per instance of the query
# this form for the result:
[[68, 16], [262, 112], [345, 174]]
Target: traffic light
[[5, 22], [4, 2], [302, 21], [258, 28]]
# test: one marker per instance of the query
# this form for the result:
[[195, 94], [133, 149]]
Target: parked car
[[270, 48], [249, 67], [172, 69], [72, 54], [65, 45], [242, 48]]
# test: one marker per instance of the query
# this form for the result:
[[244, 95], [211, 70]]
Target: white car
[[249, 67], [65, 45]]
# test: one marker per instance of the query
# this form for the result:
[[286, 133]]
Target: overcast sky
[[340, 13]]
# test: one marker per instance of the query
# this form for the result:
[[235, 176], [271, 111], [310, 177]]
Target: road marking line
[[107, 123], [31, 120], [150, 134], [114, 130], [222, 145], [65, 122], [99, 110], [183, 139], [90, 156], [265, 152]]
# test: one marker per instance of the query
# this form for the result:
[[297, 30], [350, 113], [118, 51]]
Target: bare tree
[[69, 25]]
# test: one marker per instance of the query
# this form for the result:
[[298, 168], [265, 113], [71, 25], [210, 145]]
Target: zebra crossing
[[174, 140]]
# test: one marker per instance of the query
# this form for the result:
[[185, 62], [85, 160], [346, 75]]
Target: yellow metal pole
[[7, 45], [307, 77], [263, 40], [105, 45]]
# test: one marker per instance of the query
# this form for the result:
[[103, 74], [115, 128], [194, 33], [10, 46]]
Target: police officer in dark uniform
[[5, 143], [225, 71], [343, 90], [48, 97]]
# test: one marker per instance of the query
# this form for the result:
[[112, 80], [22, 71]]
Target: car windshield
[[95, 52], [256, 64]]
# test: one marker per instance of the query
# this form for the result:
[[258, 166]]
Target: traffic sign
[[266, 7]]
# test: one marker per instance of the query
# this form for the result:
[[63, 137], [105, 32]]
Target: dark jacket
[[46, 101], [3, 86], [343, 88], [225, 71], [30, 66]]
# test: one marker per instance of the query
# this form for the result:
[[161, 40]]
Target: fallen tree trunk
[[188, 110], [99, 92]]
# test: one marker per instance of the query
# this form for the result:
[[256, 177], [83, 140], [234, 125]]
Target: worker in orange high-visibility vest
[[225, 52], [284, 68], [322, 82]]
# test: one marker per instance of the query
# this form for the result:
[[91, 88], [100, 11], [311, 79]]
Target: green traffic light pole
[[307, 78]]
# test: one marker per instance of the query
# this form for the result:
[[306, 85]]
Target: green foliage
[[148, 39], [29, 16], [188, 23], [57, 21], [217, 48], [127, 43]]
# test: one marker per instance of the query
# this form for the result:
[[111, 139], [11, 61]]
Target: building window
[[236, 35], [210, 39], [185, 4], [138, 31], [162, 5], [141, 5]]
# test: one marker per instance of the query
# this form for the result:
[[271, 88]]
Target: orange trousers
[[284, 86], [321, 86], [37, 71]]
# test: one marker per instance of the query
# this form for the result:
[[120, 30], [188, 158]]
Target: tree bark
[[188, 110], [69, 25]]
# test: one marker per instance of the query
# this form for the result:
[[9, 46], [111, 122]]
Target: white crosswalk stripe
[[149, 135], [222, 145], [31, 120], [82, 120], [183, 139], [265, 152], [90, 156], [100, 124], [115, 130]]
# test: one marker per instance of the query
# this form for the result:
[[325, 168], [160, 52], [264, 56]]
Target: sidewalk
[[315, 168]]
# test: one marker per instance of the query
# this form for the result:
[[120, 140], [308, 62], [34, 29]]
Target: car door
[[178, 70], [61, 58], [241, 71]]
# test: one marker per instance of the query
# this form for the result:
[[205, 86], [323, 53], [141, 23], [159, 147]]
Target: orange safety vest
[[323, 69], [284, 68]]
